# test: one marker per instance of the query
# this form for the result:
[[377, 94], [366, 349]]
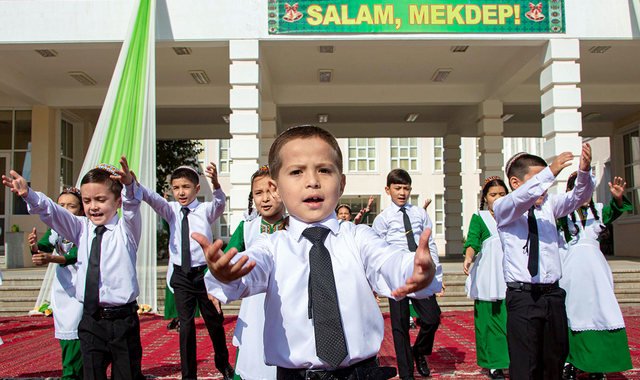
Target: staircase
[[20, 287]]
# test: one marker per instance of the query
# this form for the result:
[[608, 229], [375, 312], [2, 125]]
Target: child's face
[[267, 201], [399, 193], [309, 181], [70, 202], [494, 192], [99, 202], [344, 214], [533, 170], [184, 191]]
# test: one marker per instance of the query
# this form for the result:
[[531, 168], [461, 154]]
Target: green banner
[[407, 16]]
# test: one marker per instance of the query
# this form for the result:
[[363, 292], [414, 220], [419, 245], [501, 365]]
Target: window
[[631, 142], [439, 222], [15, 138], [66, 154], [362, 154], [225, 220], [404, 153], [223, 156], [358, 202], [438, 154]]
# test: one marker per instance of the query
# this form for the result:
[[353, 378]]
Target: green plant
[[15, 228]]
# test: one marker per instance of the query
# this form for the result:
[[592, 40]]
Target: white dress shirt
[[389, 224], [118, 283], [511, 214], [361, 261], [201, 217]]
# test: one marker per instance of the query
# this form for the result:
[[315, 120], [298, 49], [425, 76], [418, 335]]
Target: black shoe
[[496, 374], [597, 376], [174, 324], [569, 372], [422, 365], [227, 373]]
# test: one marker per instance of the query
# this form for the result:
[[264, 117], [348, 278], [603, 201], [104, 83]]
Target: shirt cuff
[[224, 293]]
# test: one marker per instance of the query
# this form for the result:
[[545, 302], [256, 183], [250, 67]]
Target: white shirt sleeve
[[515, 204], [131, 217], [388, 267], [160, 205], [565, 203], [215, 208], [54, 215], [254, 282], [380, 226]]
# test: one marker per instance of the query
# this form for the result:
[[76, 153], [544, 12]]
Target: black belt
[[197, 269], [366, 369], [528, 287], [117, 312]]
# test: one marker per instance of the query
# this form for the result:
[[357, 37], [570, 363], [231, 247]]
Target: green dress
[[490, 318], [594, 351]]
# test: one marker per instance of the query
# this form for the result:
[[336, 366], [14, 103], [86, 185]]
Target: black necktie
[[186, 246], [534, 249], [331, 346], [92, 284], [408, 230]]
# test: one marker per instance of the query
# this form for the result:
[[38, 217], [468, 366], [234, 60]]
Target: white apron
[[486, 277], [587, 279], [249, 332], [67, 310]]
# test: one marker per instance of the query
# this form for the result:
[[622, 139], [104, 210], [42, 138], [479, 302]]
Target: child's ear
[[119, 202], [514, 182], [343, 183], [386, 189], [197, 188]]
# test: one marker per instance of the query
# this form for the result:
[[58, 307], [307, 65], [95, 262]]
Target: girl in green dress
[[597, 336], [485, 284]]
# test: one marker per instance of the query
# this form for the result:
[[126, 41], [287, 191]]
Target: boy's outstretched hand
[[562, 161], [585, 158], [16, 183], [212, 172], [125, 176], [423, 268], [219, 263]]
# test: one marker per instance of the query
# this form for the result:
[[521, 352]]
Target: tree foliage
[[173, 153]]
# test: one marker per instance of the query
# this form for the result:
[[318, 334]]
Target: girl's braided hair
[[571, 183]]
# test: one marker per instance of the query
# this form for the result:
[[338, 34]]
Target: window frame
[[394, 162], [440, 157], [367, 158]]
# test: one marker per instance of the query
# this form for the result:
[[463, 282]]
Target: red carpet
[[31, 351]]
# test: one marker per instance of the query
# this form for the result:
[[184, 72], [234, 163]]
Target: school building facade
[[448, 91]]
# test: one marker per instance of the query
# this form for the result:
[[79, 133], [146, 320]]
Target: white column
[[490, 131], [560, 101], [452, 195], [268, 129], [244, 122]]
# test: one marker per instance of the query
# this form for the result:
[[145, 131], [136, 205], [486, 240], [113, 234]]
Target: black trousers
[[429, 313], [537, 333], [189, 289], [111, 341]]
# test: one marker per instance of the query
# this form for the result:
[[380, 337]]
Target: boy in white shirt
[[536, 317], [107, 283], [401, 224], [184, 216], [317, 269]]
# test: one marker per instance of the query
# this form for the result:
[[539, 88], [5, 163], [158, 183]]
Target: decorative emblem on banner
[[535, 12], [291, 13]]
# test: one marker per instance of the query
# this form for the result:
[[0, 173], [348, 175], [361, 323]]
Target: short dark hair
[[518, 165], [184, 172], [301, 132], [103, 176], [398, 177]]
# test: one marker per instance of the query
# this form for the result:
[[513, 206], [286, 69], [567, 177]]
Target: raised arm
[[131, 200], [583, 190], [157, 202], [216, 207], [515, 204]]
